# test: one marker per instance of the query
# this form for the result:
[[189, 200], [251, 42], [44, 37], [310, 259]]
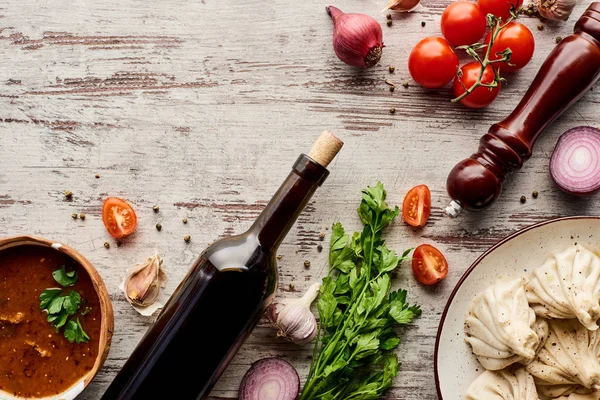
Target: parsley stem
[[319, 369]]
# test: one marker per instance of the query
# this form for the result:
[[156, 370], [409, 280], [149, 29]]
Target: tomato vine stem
[[496, 26]]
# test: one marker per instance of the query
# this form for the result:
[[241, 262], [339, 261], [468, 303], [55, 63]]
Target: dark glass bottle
[[218, 304]]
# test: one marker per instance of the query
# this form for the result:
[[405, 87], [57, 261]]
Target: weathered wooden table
[[201, 107]]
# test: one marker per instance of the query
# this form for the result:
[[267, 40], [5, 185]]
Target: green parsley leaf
[[71, 303], [56, 305], [47, 296], [354, 358], [60, 307], [65, 278], [74, 332], [58, 320], [400, 311]]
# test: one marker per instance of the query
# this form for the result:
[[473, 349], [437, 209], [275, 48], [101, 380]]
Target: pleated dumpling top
[[567, 286], [503, 385], [575, 396], [570, 356], [501, 327]]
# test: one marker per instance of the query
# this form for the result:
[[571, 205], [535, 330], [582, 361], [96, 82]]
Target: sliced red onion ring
[[575, 162], [270, 379]]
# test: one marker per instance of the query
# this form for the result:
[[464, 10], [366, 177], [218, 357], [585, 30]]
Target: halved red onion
[[270, 379], [575, 162]]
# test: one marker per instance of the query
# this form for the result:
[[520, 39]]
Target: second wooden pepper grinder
[[570, 70]]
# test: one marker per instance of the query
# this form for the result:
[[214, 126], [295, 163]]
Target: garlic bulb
[[558, 10], [293, 318], [402, 5], [144, 281]]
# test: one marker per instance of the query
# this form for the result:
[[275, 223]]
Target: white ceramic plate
[[455, 366]]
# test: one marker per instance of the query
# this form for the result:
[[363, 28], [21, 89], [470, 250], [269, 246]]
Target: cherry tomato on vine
[[432, 62], [481, 96], [519, 39], [499, 8], [118, 217], [463, 23], [417, 206], [429, 264]]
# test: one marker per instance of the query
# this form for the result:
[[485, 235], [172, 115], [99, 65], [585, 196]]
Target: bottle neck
[[279, 215]]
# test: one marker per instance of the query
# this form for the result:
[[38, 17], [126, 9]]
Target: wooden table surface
[[201, 107]]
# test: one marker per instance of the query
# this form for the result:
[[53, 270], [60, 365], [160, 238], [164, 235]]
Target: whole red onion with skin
[[357, 38]]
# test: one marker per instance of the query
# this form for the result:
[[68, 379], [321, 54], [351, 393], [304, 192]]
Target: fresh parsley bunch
[[61, 306], [353, 356]]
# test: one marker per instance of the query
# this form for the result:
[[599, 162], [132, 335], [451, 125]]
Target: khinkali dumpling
[[569, 356], [575, 396], [503, 385], [556, 391], [501, 327], [567, 286]]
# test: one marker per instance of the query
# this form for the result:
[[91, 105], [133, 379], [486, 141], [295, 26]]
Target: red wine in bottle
[[221, 299]]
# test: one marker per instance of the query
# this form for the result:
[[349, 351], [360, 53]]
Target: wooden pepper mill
[[568, 72]]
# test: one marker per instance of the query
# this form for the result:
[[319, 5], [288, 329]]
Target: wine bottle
[[221, 299]]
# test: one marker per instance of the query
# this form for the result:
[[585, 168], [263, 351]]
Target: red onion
[[357, 38], [270, 379], [575, 162]]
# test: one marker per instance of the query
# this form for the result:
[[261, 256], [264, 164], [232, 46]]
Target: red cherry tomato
[[432, 62], [463, 23], [499, 8], [118, 217], [417, 206], [519, 39], [481, 96], [429, 264]]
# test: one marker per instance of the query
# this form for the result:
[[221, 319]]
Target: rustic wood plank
[[201, 107]]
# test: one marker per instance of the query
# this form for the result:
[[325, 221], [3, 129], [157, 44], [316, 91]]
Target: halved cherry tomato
[[463, 23], [481, 96], [499, 8], [519, 39], [432, 62], [417, 206], [118, 217], [429, 264]]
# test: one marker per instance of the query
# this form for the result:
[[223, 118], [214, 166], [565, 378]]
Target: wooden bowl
[[106, 312]]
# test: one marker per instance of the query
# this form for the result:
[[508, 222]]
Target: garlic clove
[[144, 281], [557, 10], [402, 5]]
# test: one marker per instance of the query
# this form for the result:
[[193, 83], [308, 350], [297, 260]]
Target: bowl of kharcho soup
[[56, 320]]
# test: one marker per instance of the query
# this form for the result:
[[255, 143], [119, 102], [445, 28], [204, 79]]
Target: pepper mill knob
[[570, 70], [472, 185]]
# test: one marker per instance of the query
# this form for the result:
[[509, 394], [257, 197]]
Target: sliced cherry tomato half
[[429, 264], [417, 206], [118, 217]]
